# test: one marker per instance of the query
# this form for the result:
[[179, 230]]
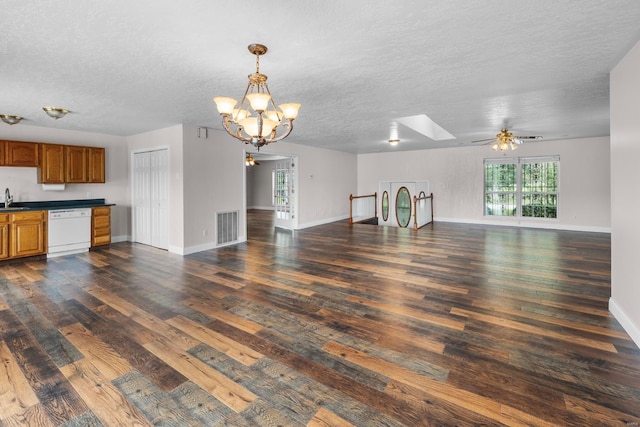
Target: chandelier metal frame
[[270, 124]]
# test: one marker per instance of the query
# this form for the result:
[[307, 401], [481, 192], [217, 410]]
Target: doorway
[[150, 197], [271, 184]]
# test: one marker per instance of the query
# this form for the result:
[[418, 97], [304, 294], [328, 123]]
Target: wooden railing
[[364, 208], [423, 211]]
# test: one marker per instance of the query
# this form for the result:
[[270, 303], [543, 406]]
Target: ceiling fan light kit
[[506, 140], [257, 121], [250, 161]]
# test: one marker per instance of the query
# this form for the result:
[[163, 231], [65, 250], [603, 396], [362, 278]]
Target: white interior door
[[151, 198], [141, 205], [285, 193], [159, 171]]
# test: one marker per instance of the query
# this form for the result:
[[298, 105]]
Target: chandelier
[[257, 121]]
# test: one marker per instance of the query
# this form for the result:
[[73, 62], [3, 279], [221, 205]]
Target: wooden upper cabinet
[[96, 164], [52, 170], [76, 164], [20, 153], [58, 163]]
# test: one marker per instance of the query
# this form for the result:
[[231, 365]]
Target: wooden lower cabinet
[[28, 234], [100, 226], [4, 236]]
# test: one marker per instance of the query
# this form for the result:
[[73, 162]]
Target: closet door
[[150, 183], [159, 194], [141, 185]]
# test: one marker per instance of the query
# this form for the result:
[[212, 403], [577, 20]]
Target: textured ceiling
[[126, 67]]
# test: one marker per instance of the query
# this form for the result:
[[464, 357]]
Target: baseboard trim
[[527, 224], [262, 208], [632, 329], [321, 222], [203, 247]]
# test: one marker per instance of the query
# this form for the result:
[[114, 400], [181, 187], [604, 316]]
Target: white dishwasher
[[69, 231]]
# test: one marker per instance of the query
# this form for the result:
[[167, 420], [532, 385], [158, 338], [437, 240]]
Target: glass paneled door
[[284, 193]]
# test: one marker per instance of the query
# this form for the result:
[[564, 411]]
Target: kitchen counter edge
[[55, 205]]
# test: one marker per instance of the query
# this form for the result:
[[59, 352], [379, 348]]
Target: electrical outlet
[[204, 232]]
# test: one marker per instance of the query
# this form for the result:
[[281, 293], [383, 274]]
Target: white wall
[[456, 178], [213, 182], [326, 178], [170, 138], [259, 185], [23, 182], [625, 209]]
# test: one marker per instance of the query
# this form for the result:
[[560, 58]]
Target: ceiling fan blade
[[527, 137], [484, 140]]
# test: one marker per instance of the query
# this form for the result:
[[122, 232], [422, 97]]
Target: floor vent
[[227, 227]]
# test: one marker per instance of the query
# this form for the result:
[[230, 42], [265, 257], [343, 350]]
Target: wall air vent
[[227, 226]]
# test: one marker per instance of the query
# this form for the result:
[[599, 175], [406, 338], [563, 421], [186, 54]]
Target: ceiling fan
[[506, 140], [250, 161]]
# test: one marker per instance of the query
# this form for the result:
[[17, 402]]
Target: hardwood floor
[[329, 326]]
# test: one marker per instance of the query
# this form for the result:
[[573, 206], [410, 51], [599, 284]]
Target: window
[[521, 187], [279, 184]]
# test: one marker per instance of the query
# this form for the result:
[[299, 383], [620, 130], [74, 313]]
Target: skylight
[[424, 125]]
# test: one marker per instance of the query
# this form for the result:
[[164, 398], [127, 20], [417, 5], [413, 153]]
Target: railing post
[[375, 204], [350, 209], [415, 212], [431, 196]]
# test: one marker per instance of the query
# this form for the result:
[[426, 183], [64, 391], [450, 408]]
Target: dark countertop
[[54, 204]]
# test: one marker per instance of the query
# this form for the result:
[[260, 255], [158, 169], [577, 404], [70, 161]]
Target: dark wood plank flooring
[[336, 325]]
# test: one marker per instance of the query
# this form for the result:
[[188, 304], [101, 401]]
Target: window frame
[[518, 193]]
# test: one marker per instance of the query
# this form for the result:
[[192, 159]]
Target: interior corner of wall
[[625, 321]]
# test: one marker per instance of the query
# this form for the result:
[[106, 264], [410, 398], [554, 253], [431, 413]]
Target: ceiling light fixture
[[262, 128], [9, 119], [55, 112], [393, 134], [249, 161]]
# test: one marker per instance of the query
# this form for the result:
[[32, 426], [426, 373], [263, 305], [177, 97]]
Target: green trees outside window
[[521, 187]]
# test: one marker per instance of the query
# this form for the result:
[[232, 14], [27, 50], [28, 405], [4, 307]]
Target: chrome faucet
[[8, 198]]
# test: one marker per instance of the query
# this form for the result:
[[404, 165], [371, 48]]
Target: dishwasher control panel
[[69, 213]]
